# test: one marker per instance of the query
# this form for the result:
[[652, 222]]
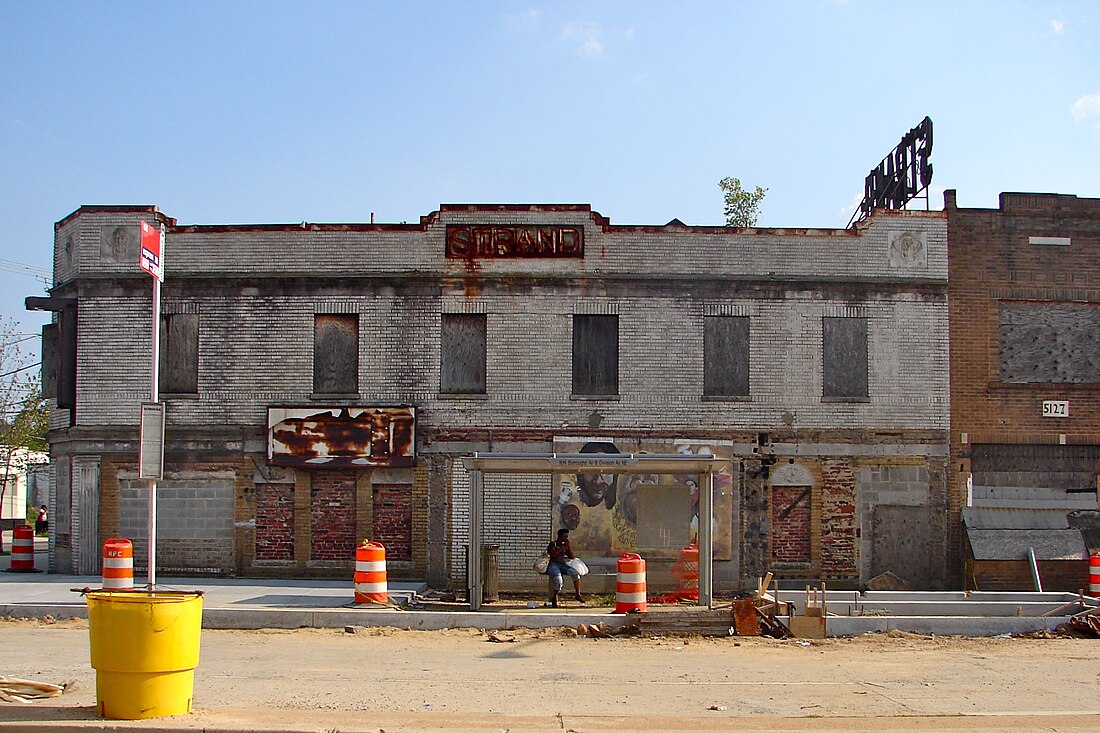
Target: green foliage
[[28, 429], [742, 207], [23, 416]]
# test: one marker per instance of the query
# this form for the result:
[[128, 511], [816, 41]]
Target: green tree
[[23, 416], [742, 206], [28, 429]]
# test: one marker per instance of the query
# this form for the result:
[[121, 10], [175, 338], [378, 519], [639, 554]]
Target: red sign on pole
[[152, 244]]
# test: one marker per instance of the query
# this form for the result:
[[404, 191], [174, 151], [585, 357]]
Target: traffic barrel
[[22, 549], [686, 573], [118, 564], [630, 584], [1094, 575], [370, 573]]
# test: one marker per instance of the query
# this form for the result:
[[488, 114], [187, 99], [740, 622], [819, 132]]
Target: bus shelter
[[702, 466]]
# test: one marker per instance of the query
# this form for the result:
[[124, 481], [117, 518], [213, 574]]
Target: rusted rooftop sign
[[479, 241], [901, 175], [341, 437]]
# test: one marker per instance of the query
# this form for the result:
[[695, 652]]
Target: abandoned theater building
[[323, 382]]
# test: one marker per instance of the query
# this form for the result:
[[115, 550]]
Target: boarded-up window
[[1050, 343], [274, 522], [791, 512], [179, 353], [50, 345], [844, 352], [66, 362], [336, 353], [595, 355], [392, 516], [726, 356], [462, 353]]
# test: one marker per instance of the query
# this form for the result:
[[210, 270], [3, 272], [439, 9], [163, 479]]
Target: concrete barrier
[[942, 625]]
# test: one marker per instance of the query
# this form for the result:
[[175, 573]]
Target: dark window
[[844, 352], [50, 344], [1049, 343], [179, 353], [726, 356], [336, 353], [596, 355], [66, 363], [462, 353]]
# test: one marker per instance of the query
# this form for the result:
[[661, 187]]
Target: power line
[[26, 337], [14, 266], [20, 369]]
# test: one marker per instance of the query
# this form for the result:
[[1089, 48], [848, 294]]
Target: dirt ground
[[382, 679]]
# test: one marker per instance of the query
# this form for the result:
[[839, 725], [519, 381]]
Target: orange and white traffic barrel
[[22, 549], [1094, 575], [630, 584], [118, 564], [686, 573], [370, 573]]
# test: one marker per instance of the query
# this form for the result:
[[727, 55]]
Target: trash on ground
[[25, 691]]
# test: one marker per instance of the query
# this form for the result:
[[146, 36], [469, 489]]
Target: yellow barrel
[[145, 647]]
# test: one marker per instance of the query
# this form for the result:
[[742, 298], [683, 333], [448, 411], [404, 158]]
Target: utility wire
[[26, 337], [13, 266], [20, 369]]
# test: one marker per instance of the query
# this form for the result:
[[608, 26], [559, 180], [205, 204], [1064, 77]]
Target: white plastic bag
[[577, 564]]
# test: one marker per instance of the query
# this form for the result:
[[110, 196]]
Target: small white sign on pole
[[151, 451]]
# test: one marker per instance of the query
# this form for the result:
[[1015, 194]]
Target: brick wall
[[392, 520], [838, 519], [516, 518], [993, 262], [902, 519], [195, 520], [848, 270], [275, 522], [790, 526], [1069, 576], [332, 515], [256, 298]]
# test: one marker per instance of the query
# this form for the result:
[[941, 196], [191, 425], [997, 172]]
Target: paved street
[[550, 680]]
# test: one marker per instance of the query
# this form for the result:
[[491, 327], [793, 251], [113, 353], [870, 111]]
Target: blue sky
[[235, 112]]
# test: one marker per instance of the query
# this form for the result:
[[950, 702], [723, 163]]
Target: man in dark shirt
[[560, 553]]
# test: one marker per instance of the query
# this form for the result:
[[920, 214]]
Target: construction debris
[[812, 624], [26, 691], [888, 581], [1086, 622], [697, 620]]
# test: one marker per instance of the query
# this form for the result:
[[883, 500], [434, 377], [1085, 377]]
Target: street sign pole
[[155, 398], [151, 259]]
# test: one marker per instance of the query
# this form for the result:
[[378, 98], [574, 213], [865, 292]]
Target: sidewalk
[[265, 603]]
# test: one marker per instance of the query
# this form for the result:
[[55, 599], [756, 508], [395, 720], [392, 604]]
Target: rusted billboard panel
[[341, 437]]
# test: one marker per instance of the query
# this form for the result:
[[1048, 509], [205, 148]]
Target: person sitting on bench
[[560, 553]]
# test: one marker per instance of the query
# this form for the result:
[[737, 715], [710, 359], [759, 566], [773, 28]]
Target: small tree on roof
[[742, 207]]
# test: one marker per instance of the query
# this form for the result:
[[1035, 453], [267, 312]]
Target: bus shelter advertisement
[[654, 515]]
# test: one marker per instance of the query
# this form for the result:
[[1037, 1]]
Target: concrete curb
[[249, 619], [943, 625]]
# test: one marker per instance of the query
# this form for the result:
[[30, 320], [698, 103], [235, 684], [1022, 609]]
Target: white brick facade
[[257, 289]]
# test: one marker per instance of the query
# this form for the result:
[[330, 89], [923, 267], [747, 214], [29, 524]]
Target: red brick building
[[1024, 313]]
